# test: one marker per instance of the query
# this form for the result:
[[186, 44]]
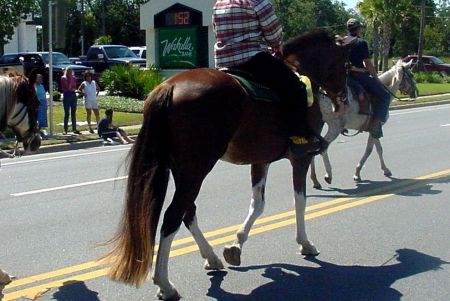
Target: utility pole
[[50, 62], [422, 26], [82, 27]]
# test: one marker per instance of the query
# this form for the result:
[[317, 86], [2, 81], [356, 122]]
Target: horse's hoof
[[174, 296], [356, 179], [232, 255], [309, 250], [328, 180], [388, 173], [215, 264], [317, 186]]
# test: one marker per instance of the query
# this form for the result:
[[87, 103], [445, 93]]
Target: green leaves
[[130, 81]]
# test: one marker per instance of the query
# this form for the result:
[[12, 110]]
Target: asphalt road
[[387, 240]]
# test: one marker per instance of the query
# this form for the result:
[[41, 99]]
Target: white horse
[[18, 110], [397, 78]]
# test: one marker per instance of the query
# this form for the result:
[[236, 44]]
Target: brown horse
[[18, 110], [190, 122]]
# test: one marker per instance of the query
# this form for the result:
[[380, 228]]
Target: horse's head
[[407, 83], [318, 56], [23, 120]]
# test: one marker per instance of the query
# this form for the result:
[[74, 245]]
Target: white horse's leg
[[379, 150], [367, 152], [334, 129], [232, 253], [313, 175], [167, 290], [300, 169], [212, 262]]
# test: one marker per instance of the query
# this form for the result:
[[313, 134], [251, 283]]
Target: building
[[24, 38], [178, 33]]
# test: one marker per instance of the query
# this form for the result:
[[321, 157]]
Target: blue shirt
[[102, 126], [359, 52]]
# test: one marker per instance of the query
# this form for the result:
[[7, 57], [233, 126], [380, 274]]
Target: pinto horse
[[192, 120], [18, 104], [398, 78]]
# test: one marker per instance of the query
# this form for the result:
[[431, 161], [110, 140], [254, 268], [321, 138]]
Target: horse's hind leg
[[232, 253], [186, 192], [367, 152], [300, 169], [379, 150], [206, 251]]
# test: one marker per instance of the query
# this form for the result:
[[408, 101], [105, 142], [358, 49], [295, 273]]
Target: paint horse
[[399, 77], [192, 120], [18, 110]]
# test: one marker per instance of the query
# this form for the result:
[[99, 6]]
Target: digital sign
[[178, 18]]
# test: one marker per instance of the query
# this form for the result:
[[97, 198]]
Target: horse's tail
[[132, 255]]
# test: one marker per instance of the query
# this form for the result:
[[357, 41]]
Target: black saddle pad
[[257, 91]]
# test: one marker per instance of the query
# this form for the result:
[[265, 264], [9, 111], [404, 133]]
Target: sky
[[350, 3]]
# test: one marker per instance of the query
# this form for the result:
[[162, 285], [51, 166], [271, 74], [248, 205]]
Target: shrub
[[431, 77], [103, 40], [130, 81], [121, 104]]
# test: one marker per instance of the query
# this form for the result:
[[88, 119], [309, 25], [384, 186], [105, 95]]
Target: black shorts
[[109, 134]]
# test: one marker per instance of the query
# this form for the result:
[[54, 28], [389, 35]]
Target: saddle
[[256, 90]]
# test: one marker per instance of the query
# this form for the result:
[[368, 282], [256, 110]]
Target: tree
[[11, 11]]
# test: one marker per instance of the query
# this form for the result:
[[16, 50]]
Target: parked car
[[431, 63], [140, 51], [102, 57], [38, 61]]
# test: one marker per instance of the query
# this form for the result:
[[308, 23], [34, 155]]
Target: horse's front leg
[[379, 150], [334, 129], [367, 152], [232, 253], [313, 175], [300, 170]]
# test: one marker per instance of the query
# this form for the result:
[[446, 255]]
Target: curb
[[420, 104]]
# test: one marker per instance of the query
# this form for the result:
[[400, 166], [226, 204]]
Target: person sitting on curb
[[107, 131], [5, 278]]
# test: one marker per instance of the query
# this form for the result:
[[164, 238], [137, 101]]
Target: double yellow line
[[225, 235]]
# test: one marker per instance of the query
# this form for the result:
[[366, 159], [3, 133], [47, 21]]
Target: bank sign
[[178, 48]]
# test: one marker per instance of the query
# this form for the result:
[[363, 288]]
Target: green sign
[[178, 48]]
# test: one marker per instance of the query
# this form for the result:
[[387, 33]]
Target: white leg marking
[[161, 275], [307, 248], [206, 251]]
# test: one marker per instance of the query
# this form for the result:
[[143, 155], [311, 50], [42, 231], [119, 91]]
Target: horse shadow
[[329, 281], [401, 187], [75, 291]]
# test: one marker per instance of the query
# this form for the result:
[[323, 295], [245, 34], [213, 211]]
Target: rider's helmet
[[353, 24]]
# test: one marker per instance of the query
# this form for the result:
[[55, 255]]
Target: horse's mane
[[8, 98], [306, 41]]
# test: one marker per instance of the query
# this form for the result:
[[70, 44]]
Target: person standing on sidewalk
[[244, 31], [42, 110], [89, 90], [68, 87]]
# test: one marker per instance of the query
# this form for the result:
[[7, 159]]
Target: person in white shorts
[[89, 89]]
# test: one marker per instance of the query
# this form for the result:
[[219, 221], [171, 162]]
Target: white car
[[140, 51]]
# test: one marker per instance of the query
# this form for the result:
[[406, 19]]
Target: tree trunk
[[386, 40], [376, 46]]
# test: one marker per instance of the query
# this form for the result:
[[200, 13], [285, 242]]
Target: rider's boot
[[302, 145]]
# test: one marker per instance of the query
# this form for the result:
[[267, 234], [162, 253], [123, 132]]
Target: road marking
[[13, 162], [68, 186], [287, 219], [448, 124]]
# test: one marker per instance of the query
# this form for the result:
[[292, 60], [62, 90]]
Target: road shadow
[[402, 187], [75, 291], [330, 281]]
